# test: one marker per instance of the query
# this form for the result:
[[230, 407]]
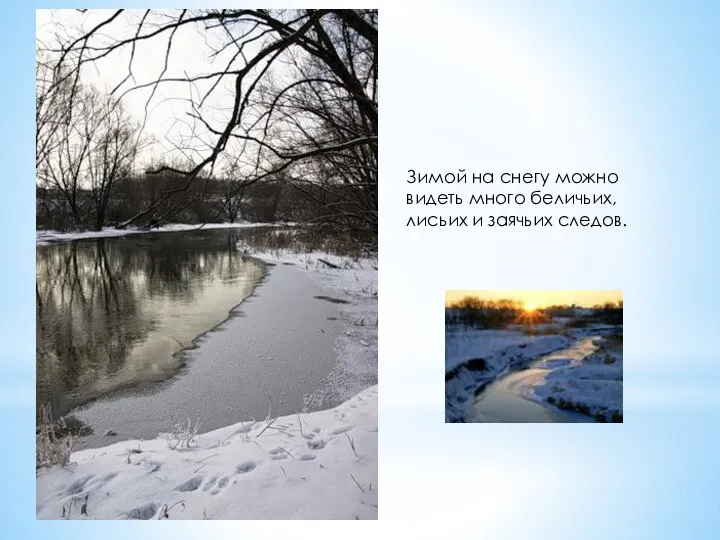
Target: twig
[[329, 264], [266, 427], [357, 483]]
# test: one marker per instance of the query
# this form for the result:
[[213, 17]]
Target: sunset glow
[[532, 300]]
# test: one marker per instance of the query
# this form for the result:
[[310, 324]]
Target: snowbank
[[352, 285], [593, 386], [321, 465], [47, 237], [474, 358]]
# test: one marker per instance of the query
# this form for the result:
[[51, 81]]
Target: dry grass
[[51, 448], [183, 435]]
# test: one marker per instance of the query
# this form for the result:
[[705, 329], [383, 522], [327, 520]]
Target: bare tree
[[52, 110], [302, 90], [63, 168], [116, 142]]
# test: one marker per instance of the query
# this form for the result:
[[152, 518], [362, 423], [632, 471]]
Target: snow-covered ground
[[44, 237], [474, 358], [584, 375], [311, 466], [592, 384], [320, 465], [353, 287]]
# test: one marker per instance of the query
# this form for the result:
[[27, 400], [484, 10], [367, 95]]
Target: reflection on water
[[111, 312]]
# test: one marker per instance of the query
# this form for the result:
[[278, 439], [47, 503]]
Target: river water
[[137, 333], [504, 399]]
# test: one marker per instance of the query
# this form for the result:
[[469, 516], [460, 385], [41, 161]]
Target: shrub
[[50, 447], [183, 435]]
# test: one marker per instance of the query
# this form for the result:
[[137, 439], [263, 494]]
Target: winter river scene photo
[[533, 356], [206, 264]]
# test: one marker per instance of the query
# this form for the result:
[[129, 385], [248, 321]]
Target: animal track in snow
[[145, 511], [190, 485], [278, 453], [222, 484], [210, 483], [246, 466], [316, 444], [338, 431], [88, 482], [307, 457]]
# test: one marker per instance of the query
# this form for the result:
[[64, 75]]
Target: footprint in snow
[[210, 483], [316, 444], [222, 484], [338, 431], [307, 457], [88, 482], [190, 485], [278, 453], [145, 511], [246, 466]]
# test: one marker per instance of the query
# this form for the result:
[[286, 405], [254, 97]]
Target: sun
[[530, 307]]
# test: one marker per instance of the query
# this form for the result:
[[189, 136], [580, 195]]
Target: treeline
[[208, 200], [610, 312], [299, 142], [475, 312], [478, 313]]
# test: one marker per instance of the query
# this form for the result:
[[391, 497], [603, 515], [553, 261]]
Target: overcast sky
[[166, 119]]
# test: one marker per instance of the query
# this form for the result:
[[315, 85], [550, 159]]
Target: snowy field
[[45, 237], [320, 465], [583, 371], [474, 358], [592, 385]]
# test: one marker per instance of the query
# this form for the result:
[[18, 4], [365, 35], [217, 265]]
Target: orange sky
[[539, 299]]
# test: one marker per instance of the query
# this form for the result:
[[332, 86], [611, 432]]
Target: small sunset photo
[[532, 356]]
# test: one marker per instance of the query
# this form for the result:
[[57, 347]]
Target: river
[[505, 399], [137, 333]]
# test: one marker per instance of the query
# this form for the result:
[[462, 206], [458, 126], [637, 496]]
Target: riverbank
[[316, 465], [475, 358], [591, 385], [571, 372], [43, 237], [321, 465], [350, 284]]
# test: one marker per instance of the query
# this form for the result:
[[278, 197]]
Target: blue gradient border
[[657, 476]]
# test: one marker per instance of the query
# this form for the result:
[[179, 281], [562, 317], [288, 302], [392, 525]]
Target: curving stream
[[505, 399]]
